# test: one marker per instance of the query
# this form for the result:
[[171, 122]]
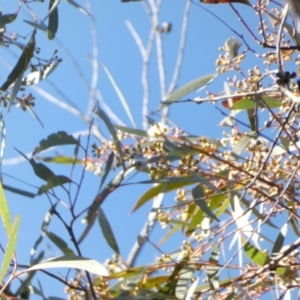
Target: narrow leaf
[[22, 63], [109, 164], [257, 256], [72, 262], [187, 88], [107, 231], [53, 19], [80, 8], [198, 195], [4, 212], [133, 131], [18, 191], [10, 248], [60, 243], [120, 95], [37, 76], [111, 129]]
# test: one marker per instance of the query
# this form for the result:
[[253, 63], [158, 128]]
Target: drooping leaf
[[4, 212], [198, 195], [2, 142], [53, 19], [72, 262], [37, 76], [15, 89], [107, 231], [233, 45], [108, 166], [212, 269], [55, 139], [111, 129], [41, 170], [53, 181], [10, 248], [60, 243], [187, 88], [120, 95], [79, 7], [21, 64]]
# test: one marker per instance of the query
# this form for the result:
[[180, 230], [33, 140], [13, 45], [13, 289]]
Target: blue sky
[[118, 51]]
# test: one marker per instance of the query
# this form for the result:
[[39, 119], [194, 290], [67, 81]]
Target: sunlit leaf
[[53, 181], [37, 76], [21, 64], [53, 19], [166, 187], [257, 256], [107, 231], [10, 248], [60, 243], [72, 262], [187, 88], [133, 131], [4, 212], [60, 159], [198, 195]]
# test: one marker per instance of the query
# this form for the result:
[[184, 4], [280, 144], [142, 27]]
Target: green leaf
[[60, 243], [4, 212], [257, 256], [53, 19], [212, 269], [40, 25], [198, 195], [187, 88], [37, 76], [161, 188], [80, 8], [18, 191], [111, 129], [41, 170], [8, 18], [55, 139], [56, 180], [133, 131], [10, 248], [22, 63], [250, 103], [72, 262], [60, 159], [120, 95], [108, 166], [107, 231], [233, 45]]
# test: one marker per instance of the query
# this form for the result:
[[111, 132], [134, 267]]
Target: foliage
[[235, 197]]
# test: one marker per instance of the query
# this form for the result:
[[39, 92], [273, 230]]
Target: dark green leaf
[[107, 231], [55, 139], [109, 164], [18, 191], [53, 19], [60, 243], [22, 63], [52, 182]]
